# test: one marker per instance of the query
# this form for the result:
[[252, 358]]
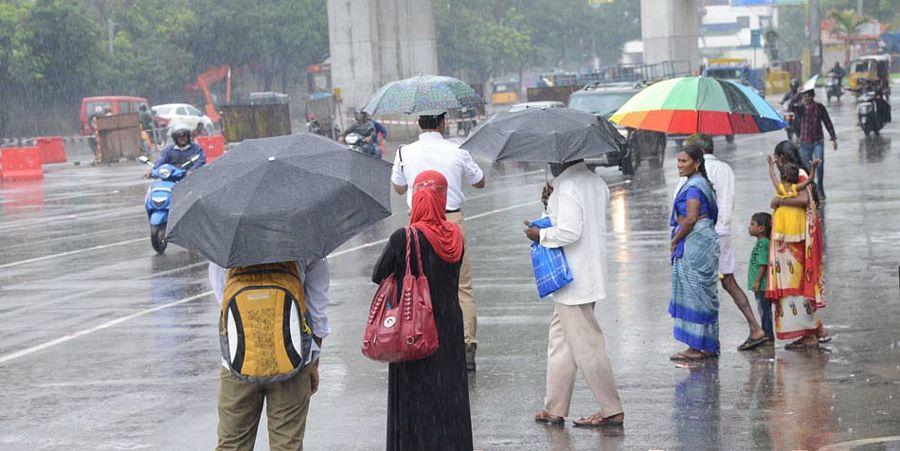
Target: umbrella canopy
[[278, 199], [544, 135], [699, 105], [422, 94]]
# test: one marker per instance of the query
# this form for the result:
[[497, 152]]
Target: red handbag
[[404, 330]]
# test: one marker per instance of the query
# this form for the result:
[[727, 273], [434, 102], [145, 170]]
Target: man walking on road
[[811, 115], [722, 178], [577, 208], [287, 402], [433, 152]]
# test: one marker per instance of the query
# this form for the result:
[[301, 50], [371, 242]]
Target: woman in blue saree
[[695, 259]]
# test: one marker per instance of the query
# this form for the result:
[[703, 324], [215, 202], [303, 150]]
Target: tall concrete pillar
[[374, 42], [669, 29]]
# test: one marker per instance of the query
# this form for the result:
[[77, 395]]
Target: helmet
[[795, 84], [179, 129]]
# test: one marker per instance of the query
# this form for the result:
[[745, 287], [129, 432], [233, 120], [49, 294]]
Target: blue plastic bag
[[551, 270]]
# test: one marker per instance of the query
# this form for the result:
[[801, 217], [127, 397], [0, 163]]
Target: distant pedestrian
[[433, 152], [721, 177], [577, 210], [428, 399], [287, 401], [761, 228], [694, 302], [811, 116]]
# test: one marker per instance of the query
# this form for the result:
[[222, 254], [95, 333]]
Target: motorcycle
[[867, 112], [159, 198], [791, 128], [833, 88], [466, 122], [313, 126], [357, 143]]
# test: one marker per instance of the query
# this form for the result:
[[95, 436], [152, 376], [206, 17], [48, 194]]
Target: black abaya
[[428, 399]]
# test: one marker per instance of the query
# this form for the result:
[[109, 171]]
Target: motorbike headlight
[[164, 173], [352, 139], [158, 202]]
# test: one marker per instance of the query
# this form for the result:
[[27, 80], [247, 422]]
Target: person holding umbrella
[[433, 152], [577, 211], [811, 116]]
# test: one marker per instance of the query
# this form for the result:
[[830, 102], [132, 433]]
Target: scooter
[[867, 111], [358, 143], [833, 88], [159, 198], [791, 128]]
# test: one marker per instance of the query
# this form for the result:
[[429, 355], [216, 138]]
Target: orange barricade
[[213, 146], [52, 149], [21, 163]]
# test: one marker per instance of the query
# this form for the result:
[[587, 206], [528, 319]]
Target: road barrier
[[21, 163], [52, 149], [213, 146]]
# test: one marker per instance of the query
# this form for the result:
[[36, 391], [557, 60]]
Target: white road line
[[108, 324], [67, 253]]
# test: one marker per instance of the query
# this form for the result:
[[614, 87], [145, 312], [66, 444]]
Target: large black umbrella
[[544, 135], [278, 199]]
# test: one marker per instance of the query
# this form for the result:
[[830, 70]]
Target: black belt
[[452, 211]]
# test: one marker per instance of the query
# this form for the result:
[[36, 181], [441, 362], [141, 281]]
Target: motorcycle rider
[[364, 126], [882, 106], [182, 149], [785, 101], [838, 72]]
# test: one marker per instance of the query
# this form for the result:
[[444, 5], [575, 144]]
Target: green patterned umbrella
[[422, 94]]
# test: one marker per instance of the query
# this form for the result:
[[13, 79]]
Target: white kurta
[[577, 209]]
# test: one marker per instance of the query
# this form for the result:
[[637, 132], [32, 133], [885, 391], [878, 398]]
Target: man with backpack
[[274, 318]]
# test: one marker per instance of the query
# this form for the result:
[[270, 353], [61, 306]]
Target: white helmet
[[179, 129]]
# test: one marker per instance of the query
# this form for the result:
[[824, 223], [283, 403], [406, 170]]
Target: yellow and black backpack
[[263, 329]]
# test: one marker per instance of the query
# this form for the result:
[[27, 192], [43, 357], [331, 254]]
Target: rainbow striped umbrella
[[699, 105]]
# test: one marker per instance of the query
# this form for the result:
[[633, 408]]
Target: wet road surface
[[104, 345]]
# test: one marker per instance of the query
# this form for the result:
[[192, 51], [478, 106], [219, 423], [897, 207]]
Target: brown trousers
[[466, 292], [576, 343], [240, 407]]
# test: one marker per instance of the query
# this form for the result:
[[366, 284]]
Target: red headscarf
[[429, 204]]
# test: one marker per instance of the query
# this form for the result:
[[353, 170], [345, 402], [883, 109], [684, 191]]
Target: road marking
[[108, 324], [67, 253]]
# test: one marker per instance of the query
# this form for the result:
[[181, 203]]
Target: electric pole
[[815, 37]]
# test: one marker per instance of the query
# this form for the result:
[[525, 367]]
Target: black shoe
[[470, 356]]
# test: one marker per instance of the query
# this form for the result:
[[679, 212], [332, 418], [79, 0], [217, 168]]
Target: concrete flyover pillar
[[669, 29], [374, 42]]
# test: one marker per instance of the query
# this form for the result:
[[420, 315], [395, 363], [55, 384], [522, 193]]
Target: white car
[[182, 113], [529, 105]]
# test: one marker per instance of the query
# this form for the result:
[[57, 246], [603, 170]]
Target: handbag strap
[[415, 235]]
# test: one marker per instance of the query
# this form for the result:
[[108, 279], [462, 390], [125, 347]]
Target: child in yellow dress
[[788, 223]]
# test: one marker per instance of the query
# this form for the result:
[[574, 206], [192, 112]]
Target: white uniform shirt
[[316, 282], [577, 209], [722, 178], [433, 152]]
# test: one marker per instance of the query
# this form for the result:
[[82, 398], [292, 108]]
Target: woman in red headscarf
[[428, 399]]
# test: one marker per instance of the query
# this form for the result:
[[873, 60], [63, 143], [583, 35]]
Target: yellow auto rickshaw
[[876, 68]]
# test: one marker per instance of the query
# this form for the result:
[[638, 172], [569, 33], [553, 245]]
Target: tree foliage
[[484, 38]]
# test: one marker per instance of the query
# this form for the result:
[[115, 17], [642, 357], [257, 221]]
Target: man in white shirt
[[433, 152], [577, 209], [287, 402], [722, 178]]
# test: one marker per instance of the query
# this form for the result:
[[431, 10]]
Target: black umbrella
[[278, 199], [544, 135]]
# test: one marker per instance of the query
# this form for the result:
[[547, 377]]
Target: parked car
[[527, 105], [96, 106], [182, 113], [603, 100]]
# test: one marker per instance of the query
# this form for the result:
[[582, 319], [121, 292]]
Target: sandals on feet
[[753, 343], [545, 417], [594, 421], [687, 357]]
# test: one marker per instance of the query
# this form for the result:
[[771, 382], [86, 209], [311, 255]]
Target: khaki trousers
[[240, 407], [576, 343], [466, 292]]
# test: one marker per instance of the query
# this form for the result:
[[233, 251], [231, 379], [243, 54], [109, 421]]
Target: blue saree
[[695, 303]]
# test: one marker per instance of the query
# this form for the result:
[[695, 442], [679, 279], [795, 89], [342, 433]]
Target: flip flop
[[545, 417], [683, 357], [752, 343], [593, 422]]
